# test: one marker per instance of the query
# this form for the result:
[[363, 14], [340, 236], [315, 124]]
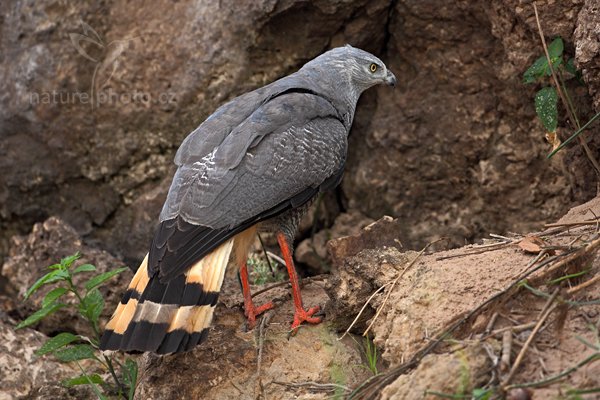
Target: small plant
[[370, 352], [371, 355], [262, 272], [554, 65], [68, 347]]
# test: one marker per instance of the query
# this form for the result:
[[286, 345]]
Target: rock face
[[23, 374], [96, 98], [28, 260], [471, 297]]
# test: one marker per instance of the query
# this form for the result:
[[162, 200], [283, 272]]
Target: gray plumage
[[262, 154], [264, 147]]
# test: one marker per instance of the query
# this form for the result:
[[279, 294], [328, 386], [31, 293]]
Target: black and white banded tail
[[168, 317]]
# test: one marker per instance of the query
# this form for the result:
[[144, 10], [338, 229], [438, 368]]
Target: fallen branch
[[363, 309], [514, 329], [571, 256], [506, 349]]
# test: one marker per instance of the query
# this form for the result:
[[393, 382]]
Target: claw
[[251, 312], [302, 315]]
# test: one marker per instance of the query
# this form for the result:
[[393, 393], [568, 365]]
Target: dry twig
[[315, 386], [545, 313], [506, 349], [480, 249], [583, 285], [315, 278], [261, 342], [567, 224]]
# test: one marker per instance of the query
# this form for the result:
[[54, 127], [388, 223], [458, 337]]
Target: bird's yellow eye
[[373, 67]]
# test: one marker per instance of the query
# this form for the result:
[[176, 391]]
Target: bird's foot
[[251, 312], [301, 315]]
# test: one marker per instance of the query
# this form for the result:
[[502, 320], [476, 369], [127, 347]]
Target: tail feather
[[168, 317]]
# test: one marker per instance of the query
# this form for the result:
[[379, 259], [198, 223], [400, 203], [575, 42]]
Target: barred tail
[[168, 317]]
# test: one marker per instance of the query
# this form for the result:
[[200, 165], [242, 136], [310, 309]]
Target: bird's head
[[359, 68]]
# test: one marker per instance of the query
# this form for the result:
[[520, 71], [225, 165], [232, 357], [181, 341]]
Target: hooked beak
[[390, 79]]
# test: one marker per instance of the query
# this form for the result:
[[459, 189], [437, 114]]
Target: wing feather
[[278, 158]]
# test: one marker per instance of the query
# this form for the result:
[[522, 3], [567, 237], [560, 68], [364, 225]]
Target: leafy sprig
[[69, 347], [546, 99]]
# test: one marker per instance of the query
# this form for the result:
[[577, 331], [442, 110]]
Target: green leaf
[[53, 295], [541, 67], [546, 101], [83, 380], [75, 353], [130, 373], [68, 261], [537, 70], [55, 343], [84, 268], [570, 67], [555, 49], [52, 276], [92, 305], [100, 279], [39, 314]]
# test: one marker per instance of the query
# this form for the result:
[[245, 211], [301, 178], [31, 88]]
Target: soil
[[455, 151], [467, 296]]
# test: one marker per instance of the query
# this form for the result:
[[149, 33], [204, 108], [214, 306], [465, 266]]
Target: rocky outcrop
[[470, 297], [47, 244], [23, 374], [96, 98]]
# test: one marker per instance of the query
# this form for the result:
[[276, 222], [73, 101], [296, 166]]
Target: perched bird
[[256, 164]]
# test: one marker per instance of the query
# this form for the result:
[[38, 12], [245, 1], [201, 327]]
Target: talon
[[251, 312], [302, 315]]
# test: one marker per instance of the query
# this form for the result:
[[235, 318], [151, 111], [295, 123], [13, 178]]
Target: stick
[[589, 247], [258, 389], [506, 349], [304, 280], [480, 249], [583, 285], [552, 379], [314, 385], [577, 223], [548, 308], [275, 257], [514, 329]]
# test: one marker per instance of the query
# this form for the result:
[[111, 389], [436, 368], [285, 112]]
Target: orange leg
[[250, 310], [300, 314]]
